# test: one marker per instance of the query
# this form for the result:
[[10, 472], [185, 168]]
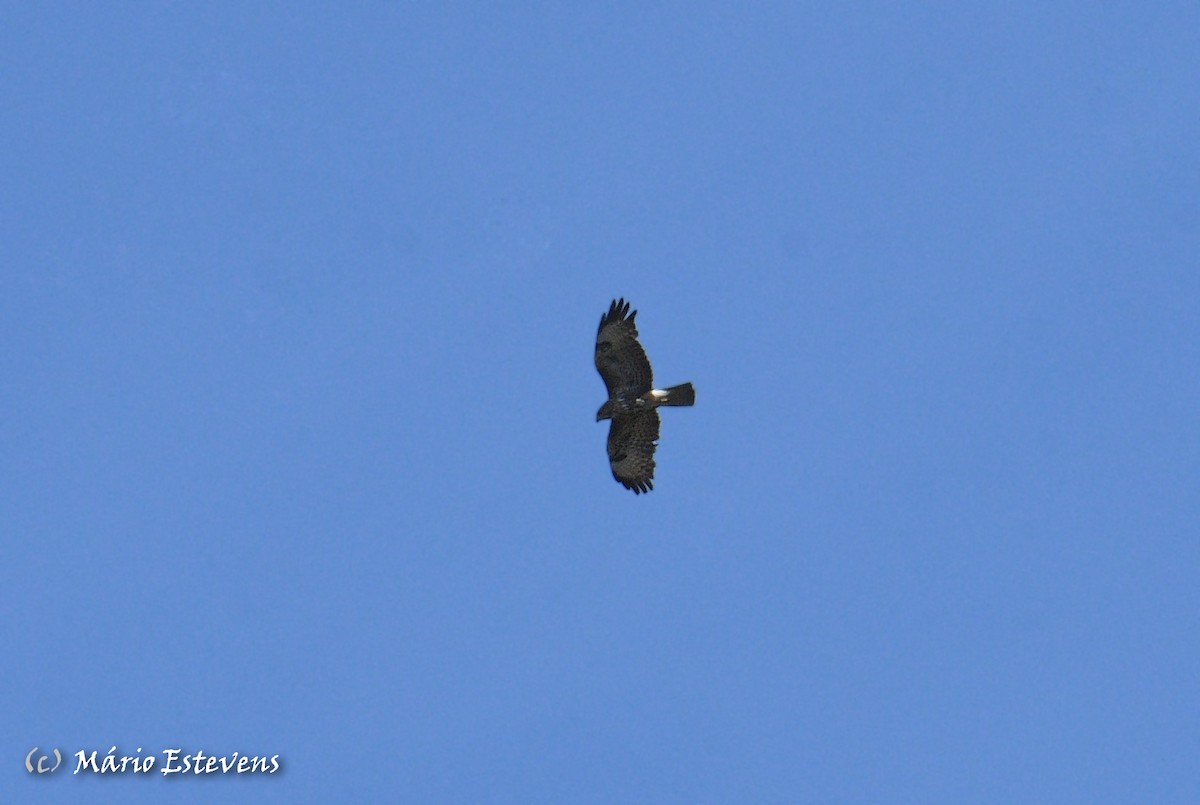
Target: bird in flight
[[632, 399]]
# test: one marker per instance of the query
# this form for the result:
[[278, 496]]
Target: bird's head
[[605, 411]]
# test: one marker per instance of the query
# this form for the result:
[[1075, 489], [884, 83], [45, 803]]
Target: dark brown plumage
[[632, 399]]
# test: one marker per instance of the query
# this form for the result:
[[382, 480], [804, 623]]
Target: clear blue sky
[[299, 451]]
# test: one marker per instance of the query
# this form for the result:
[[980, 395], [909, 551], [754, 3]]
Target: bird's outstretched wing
[[620, 359], [631, 443]]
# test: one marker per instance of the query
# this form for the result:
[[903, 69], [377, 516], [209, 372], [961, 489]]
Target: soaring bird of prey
[[632, 399]]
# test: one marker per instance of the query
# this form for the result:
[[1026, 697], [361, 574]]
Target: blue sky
[[298, 306]]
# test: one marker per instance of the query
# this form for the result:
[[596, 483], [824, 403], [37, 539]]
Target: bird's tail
[[683, 394]]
